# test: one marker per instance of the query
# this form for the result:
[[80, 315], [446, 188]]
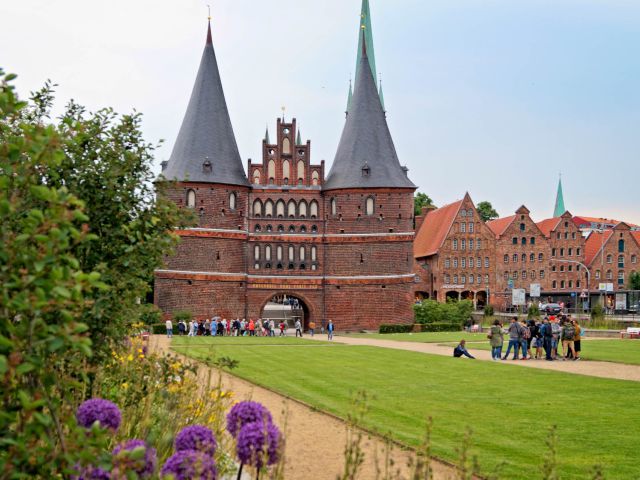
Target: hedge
[[402, 328], [441, 327], [451, 312], [159, 329]]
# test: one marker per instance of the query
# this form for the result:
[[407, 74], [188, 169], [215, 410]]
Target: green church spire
[[299, 138], [349, 98], [266, 135], [365, 24], [382, 96], [559, 209]]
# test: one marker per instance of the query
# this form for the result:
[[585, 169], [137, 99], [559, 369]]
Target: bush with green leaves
[[393, 328], [453, 312], [182, 315]]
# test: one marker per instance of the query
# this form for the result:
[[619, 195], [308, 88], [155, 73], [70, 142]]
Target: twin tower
[[341, 243]]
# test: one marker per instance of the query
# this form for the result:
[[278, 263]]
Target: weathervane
[[209, 9]]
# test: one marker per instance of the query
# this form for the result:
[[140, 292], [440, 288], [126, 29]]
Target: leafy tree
[[486, 211], [44, 293], [421, 200], [634, 281]]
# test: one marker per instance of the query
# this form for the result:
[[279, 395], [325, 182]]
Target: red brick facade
[[345, 254]]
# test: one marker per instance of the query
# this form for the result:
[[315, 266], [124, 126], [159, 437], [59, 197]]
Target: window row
[[281, 210], [267, 265], [191, 199], [269, 253], [369, 206], [569, 268], [569, 251], [466, 213], [609, 276], [524, 275], [466, 227], [523, 240], [281, 229], [464, 262], [288, 176], [523, 257], [463, 243], [565, 284], [566, 235], [634, 260], [464, 279]]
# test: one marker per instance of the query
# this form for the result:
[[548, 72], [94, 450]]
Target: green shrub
[[488, 310], [452, 312], [159, 329], [441, 327], [597, 312], [182, 315], [533, 312], [402, 328]]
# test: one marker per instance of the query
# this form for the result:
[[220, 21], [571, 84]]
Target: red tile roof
[[594, 243], [546, 226], [579, 220], [434, 229], [636, 237], [500, 225]]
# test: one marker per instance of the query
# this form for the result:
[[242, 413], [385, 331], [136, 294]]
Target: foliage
[[486, 211], [489, 310], [43, 294], [634, 281], [421, 200], [182, 315], [453, 312], [103, 159], [597, 312], [159, 329], [395, 328], [533, 311], [441, 327]]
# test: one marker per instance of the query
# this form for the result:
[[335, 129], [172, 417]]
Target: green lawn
[[426, 337], [619, 351], [509, 408], [243, 341]]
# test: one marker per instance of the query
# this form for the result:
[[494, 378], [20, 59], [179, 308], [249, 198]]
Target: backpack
[[568, 332], [526, 333], [555, 328], [548, 330]]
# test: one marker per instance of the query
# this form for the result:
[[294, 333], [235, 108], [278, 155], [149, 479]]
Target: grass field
[[244, 341], [619, 351], [509, 408], [426, 337]]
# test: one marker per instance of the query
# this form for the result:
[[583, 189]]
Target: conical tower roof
[[559, 207], [206, 148], [366, 156]]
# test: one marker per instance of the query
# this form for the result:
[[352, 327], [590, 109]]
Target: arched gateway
[[287, 307]]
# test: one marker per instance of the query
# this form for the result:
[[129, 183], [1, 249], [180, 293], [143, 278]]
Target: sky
[[493, 97]]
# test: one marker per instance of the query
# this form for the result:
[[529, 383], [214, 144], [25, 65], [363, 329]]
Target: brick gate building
[[341, 244]]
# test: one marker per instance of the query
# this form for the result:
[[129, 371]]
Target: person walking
[[525, 337], [272, 328], [252, 328], [298, 328], [181, 327], [207, 327], [515, 333], [496, 340], [312, 327], [190, 331], [330, 329], [214, 327], [282, 329], [568, 336], [461, 350], [194, 328], [169, 326]]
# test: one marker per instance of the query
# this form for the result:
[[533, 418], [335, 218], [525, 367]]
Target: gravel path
[[315, 440], [592, 368]]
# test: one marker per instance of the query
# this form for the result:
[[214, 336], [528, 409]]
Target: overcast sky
[[491, 96]]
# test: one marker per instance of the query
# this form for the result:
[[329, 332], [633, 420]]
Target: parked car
[[550, 308]]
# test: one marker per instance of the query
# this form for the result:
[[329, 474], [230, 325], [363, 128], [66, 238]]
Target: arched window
[[257, 228], [291, 253], [303, 229], [314, 229], [191, 198], [314, 254], [280, 228], [540, 257], [532, 258], [256, 176], [256, 253], [334, 207], [609, 259], [300, 170], [532, 240], [621, 246], [286, 146], [267, 253], [271, 169], [302, 209], [315, 178], [232, 201], [522, 227], [279, 253], [524, 240], [280, 208], [620, 261], [268, 209], [291, 209], [303, 253], [257, 208], [286, 169], [369, 206], [313, 209]]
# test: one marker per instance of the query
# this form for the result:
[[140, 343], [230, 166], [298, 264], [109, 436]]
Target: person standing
[[190, 332], [555, 339], [214, 326], [312, 327], [496, 339], [546, 333], [568, 337], [515, 334], [578, 337], [298, 328], [330, 328], [282, 329], [272, 328], [207, 327], [252, 328], [525, 338], [169, 326], [194, 329]]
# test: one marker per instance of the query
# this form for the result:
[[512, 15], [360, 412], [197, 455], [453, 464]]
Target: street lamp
[[588, 276]]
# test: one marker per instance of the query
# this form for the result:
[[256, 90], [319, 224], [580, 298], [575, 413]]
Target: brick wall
[[208, 254]]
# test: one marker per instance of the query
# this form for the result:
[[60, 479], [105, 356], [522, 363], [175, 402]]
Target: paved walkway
[[592, 368], [315, 441]]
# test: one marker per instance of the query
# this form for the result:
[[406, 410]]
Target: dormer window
[[366, 170], [164, 165], [207, 167], [405, 169]]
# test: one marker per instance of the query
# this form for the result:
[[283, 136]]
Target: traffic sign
[[510, 283]]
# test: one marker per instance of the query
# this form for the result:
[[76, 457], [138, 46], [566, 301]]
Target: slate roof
[[206, 133], [499, 225], [366, 141], [434, 230]]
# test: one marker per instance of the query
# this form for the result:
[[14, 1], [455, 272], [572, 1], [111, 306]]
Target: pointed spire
[[299, 138], [349, 97], [559, 208], [366, 156], [206, 148], [382, 96], [266, 135], [367, 40]]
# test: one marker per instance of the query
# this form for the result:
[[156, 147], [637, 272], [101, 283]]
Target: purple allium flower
[[190, 465], [98, 409], [196, 437], [143, 465], [246, 412], [90, 473], [259, 443]]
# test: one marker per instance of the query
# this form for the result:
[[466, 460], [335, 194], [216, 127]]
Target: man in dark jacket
[[515, 337], [461, 350]]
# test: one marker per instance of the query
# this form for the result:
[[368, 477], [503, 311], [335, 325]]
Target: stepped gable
[[206, 149], [366, 156]]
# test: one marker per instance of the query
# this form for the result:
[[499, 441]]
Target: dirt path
[[592, 368], [315, 441]]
